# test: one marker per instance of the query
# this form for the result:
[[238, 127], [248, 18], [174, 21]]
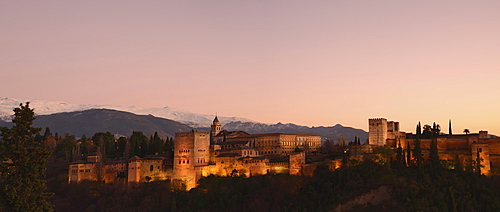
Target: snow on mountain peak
[[43, 107]]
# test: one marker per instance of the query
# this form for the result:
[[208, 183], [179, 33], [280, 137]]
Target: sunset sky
[[314, 63]]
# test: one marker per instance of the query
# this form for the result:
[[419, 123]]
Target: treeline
[[104, 143], [452, 190]]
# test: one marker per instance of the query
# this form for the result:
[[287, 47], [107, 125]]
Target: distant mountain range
[[43, 107], [91, 121], [332, 133], [77, 120]]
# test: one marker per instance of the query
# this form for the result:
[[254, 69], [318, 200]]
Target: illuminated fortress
[[200, 154], [454, 150]]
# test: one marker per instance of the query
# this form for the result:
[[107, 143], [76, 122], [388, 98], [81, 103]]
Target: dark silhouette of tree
[[137, 143], [47, 132], [155, 144], [108, 145], [408, 154], [433, 154], [66, 148], [427, 131], [478, 163], [466, 131], [22, 165], [121, 147], [418, 151], [399, 155], [449, 128]]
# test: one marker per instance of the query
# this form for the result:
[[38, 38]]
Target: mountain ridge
[[43, 107], [46, 116]]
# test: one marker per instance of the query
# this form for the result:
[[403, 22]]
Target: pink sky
[[307, 62]]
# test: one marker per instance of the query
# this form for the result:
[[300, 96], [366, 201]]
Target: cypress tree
[[408, 154], [418, 151], [399, 155], [139, 144], [22, 165], [449, 128], [433, 154], [47, 132]]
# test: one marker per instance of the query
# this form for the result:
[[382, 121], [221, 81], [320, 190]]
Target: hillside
[[91, 121]]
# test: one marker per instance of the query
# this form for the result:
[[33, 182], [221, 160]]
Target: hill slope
[[91, 121]]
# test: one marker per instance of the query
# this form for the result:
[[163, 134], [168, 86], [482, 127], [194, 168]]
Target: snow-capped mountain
[[43, 107]]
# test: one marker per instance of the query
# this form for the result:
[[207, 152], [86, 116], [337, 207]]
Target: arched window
[[151, 168]]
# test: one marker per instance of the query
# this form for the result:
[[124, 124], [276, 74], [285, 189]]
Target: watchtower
[[377, 132]]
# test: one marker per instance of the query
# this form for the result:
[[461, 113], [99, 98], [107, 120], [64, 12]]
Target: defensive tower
[[377, 132], [191, 150]]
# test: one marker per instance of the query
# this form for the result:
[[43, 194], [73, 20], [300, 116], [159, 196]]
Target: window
[[151, 168]]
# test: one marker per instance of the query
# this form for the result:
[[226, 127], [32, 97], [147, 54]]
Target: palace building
[[200, 154]]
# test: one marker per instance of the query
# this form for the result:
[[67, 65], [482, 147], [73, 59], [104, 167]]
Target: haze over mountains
[[64, 118]]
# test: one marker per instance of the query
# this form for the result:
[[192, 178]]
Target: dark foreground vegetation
[[448, 191]]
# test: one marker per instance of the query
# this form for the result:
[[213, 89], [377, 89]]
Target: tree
[[427, 131], [408, 154], [47, 132], [155, 144], [399, 155], [385, 154], [66, 148], [449, 128], [108, 146], [418, 151], [137, 141], [466, 131], [22, 165], [433, 152]]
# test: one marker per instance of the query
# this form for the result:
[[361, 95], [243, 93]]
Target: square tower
[[377, 134], [191, 149]]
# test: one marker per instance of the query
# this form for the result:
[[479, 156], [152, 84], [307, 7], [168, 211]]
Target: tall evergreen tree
[[418, 151], [408, 154], [433, 154], [137, 141], [22, 165], [399, 155], [121, 147], [449, 128], [109, 144], [47, 132], [155, 144]]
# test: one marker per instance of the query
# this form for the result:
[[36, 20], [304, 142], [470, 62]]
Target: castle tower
[[377, 134], [191, 151], [215, 128]]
